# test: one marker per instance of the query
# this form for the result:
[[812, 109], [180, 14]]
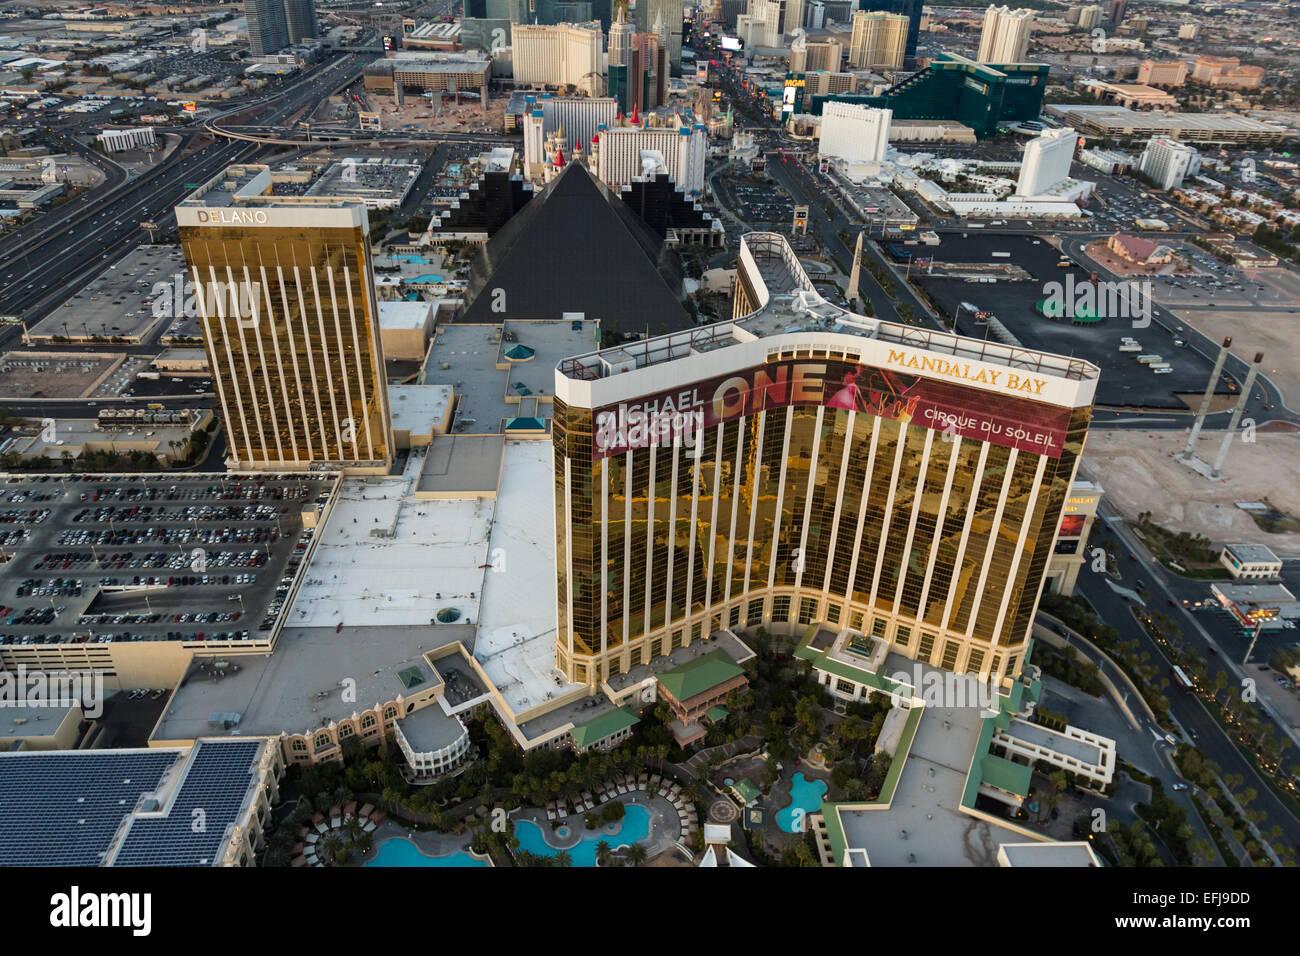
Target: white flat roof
[[433, 560], [516, 627], [405, 315], [417, 407]]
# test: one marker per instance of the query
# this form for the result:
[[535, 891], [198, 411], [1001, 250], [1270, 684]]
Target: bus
[[1182, 678]]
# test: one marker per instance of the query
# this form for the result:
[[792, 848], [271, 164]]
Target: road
[[1190, 713], [105, 227]]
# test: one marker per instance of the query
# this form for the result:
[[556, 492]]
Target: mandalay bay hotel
[[801, 464]]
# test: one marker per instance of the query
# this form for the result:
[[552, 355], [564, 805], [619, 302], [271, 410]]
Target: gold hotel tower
[[285, 296], [802, 464]]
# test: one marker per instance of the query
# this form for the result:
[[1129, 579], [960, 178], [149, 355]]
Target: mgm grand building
[[801, 464]]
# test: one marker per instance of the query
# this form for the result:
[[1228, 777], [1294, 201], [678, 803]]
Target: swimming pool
[[428, 278], [635, 827], [400, 852], [805, 795]]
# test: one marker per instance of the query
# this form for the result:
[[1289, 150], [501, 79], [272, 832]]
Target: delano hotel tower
[[803, 464], [284, 291]]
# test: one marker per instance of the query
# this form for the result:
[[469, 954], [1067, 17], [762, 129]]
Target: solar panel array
[[217, 782], [63, 809]]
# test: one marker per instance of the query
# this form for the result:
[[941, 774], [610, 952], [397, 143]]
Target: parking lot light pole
[[1259, 626]]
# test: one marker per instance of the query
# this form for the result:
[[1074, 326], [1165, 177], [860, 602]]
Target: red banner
[[946, 406]]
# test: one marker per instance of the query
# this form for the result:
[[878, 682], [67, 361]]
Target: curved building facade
[[804, 464]]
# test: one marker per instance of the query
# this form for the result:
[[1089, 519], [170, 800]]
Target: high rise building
[[1151, 73], [300, 18], [1189, 31], [649, 12], [274, 24], [575, 119], [878, 41], [911, 9], [1005, 37], [620, 38], [853, 133], [768, 22], [1090, 16], [1168, 162], [1117, 10], [1046, 161], [268, 30], [803, 464], [813, 55], [559, 55], [285, 293], [618, 157]]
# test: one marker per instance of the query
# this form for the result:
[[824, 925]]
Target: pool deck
[[428, 842], [665, 829]]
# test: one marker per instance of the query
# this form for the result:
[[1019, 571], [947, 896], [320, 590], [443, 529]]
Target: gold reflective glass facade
[[788, 516], [293, 342]]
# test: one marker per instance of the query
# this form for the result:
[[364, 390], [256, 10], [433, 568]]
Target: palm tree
[[635, 854], [602, 852], [563, 859]]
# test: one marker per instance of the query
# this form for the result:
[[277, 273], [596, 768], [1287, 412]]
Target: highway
[[106, 226]]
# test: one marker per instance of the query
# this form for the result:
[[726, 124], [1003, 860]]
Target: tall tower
[[620, 38], [286, 301], [1005, 37], [268, 30], [300, 18]]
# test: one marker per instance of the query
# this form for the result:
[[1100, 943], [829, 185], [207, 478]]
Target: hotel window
[[676, 639], [903, 636], [345, 730], [781, 609], [300, 746], [950, 651], [925, 648], [322, 741], [843, 686], [755, 613], [1011, 666], [390, 712], [807, 610], [855, 621], [976, 660], [733, 619], [368, 721], [878, 627], [695, 630], [833, 613]]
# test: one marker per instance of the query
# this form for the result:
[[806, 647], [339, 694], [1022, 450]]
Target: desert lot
[[1138, 472], [1272, 332]]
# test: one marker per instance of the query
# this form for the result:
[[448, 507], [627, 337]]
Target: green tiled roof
[[716, 713], [697, 676], [606, 725], [834, 831], [1006, 775], [748, 792]]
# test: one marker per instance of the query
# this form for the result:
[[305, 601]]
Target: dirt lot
[[1255, 330], [1138, 472]]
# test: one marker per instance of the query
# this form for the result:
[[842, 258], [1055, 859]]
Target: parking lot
[[1124, 381], [105, 558], [755, 202]]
